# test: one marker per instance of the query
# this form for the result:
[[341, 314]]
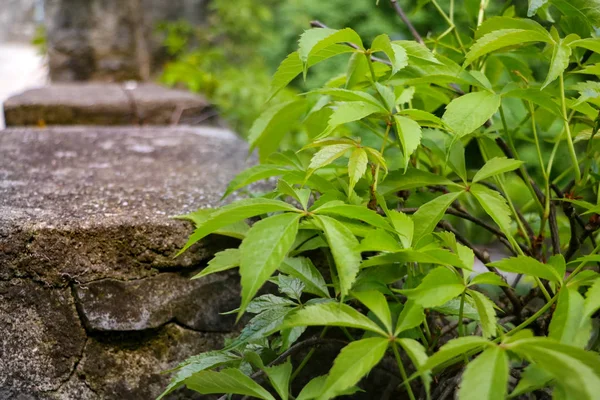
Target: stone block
[[107, 105], [93, 304]]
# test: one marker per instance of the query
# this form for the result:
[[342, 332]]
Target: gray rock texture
[[110, 40], [106, 104], [93, 305]]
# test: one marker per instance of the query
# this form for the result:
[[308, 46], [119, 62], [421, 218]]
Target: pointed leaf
[[494, 205], [222, 261], [417, 354], [502, 38], [488, 278], [230, 380], [453, 349], [235, 212], [314, 40], [568, 316], [344, 248], [379, 240], [263, 250], [376, 302], [289, 68], [486, 377], [409, 133], [410, 317], [527, 265], [254, 174], [362, 356], [487, 314], [357, 165], [303, 269], [495, 166], [395, 53], [328, 154], [279, 376], [261, 325], [429, 214], [346, 112], [469, 112], [337, 208], [332, 314], [560, 61], [410, 179], [592, 300], [404, 226], [439, 286]]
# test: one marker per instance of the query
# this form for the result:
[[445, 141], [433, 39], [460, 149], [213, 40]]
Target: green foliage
[[401, 168]]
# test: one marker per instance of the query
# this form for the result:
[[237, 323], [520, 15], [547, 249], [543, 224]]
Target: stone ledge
[[107, 104], [92, 303]]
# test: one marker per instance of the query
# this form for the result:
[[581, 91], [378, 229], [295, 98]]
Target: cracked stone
[[112, 305], [42, 338], [131, 366]]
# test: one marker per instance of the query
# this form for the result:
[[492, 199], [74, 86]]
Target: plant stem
[[581, 265], [383, 145], [402, 371], [531, 319], [461, 328], [406, 21], [568, 130]]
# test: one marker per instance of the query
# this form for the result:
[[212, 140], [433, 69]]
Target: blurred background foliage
[[232, 57]]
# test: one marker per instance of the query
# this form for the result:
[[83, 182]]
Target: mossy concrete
[[93, 303]]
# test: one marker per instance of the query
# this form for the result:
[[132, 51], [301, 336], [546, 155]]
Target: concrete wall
[[110, 40]]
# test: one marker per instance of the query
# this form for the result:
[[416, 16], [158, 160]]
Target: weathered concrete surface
[[92, 303], [113, 305], [106, 104]]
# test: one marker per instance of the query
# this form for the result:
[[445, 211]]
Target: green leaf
[[427, 256], [314, 40], [486, 377], [529, 266], [236, 230], [268, 302], [497, 23], [346, 112], [410, 179], [254, 174], [409, 133], [410, 317], [196, 364], [279, 376], [418, 54], [488, 278], [261, 325], [344, 248], [532, 378], [404, 226], [362, 356], [395, 53], [357, 165], [502, 38], [303, 269], [351, 95], [439, 286], [429, 214], [358, 69], [592, 300], [337, 208], [332, 314], [418, 356], [290, 286], [231, 381], [388, 96], [379, 240], [263, 250], [376, 302], [592, 44], [235, 212], [328, 154], [456, 160], [576, 371], [568, 316], [495, 166], [467, 113], [301, 195], [588, 11], [268, 129], [494, 205], [558, 262], [222, 261], [487, 314], [559, 63], [454, 348], [535, 96], [289, 68]]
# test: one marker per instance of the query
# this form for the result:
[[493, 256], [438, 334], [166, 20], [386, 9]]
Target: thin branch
[[406, 21]]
